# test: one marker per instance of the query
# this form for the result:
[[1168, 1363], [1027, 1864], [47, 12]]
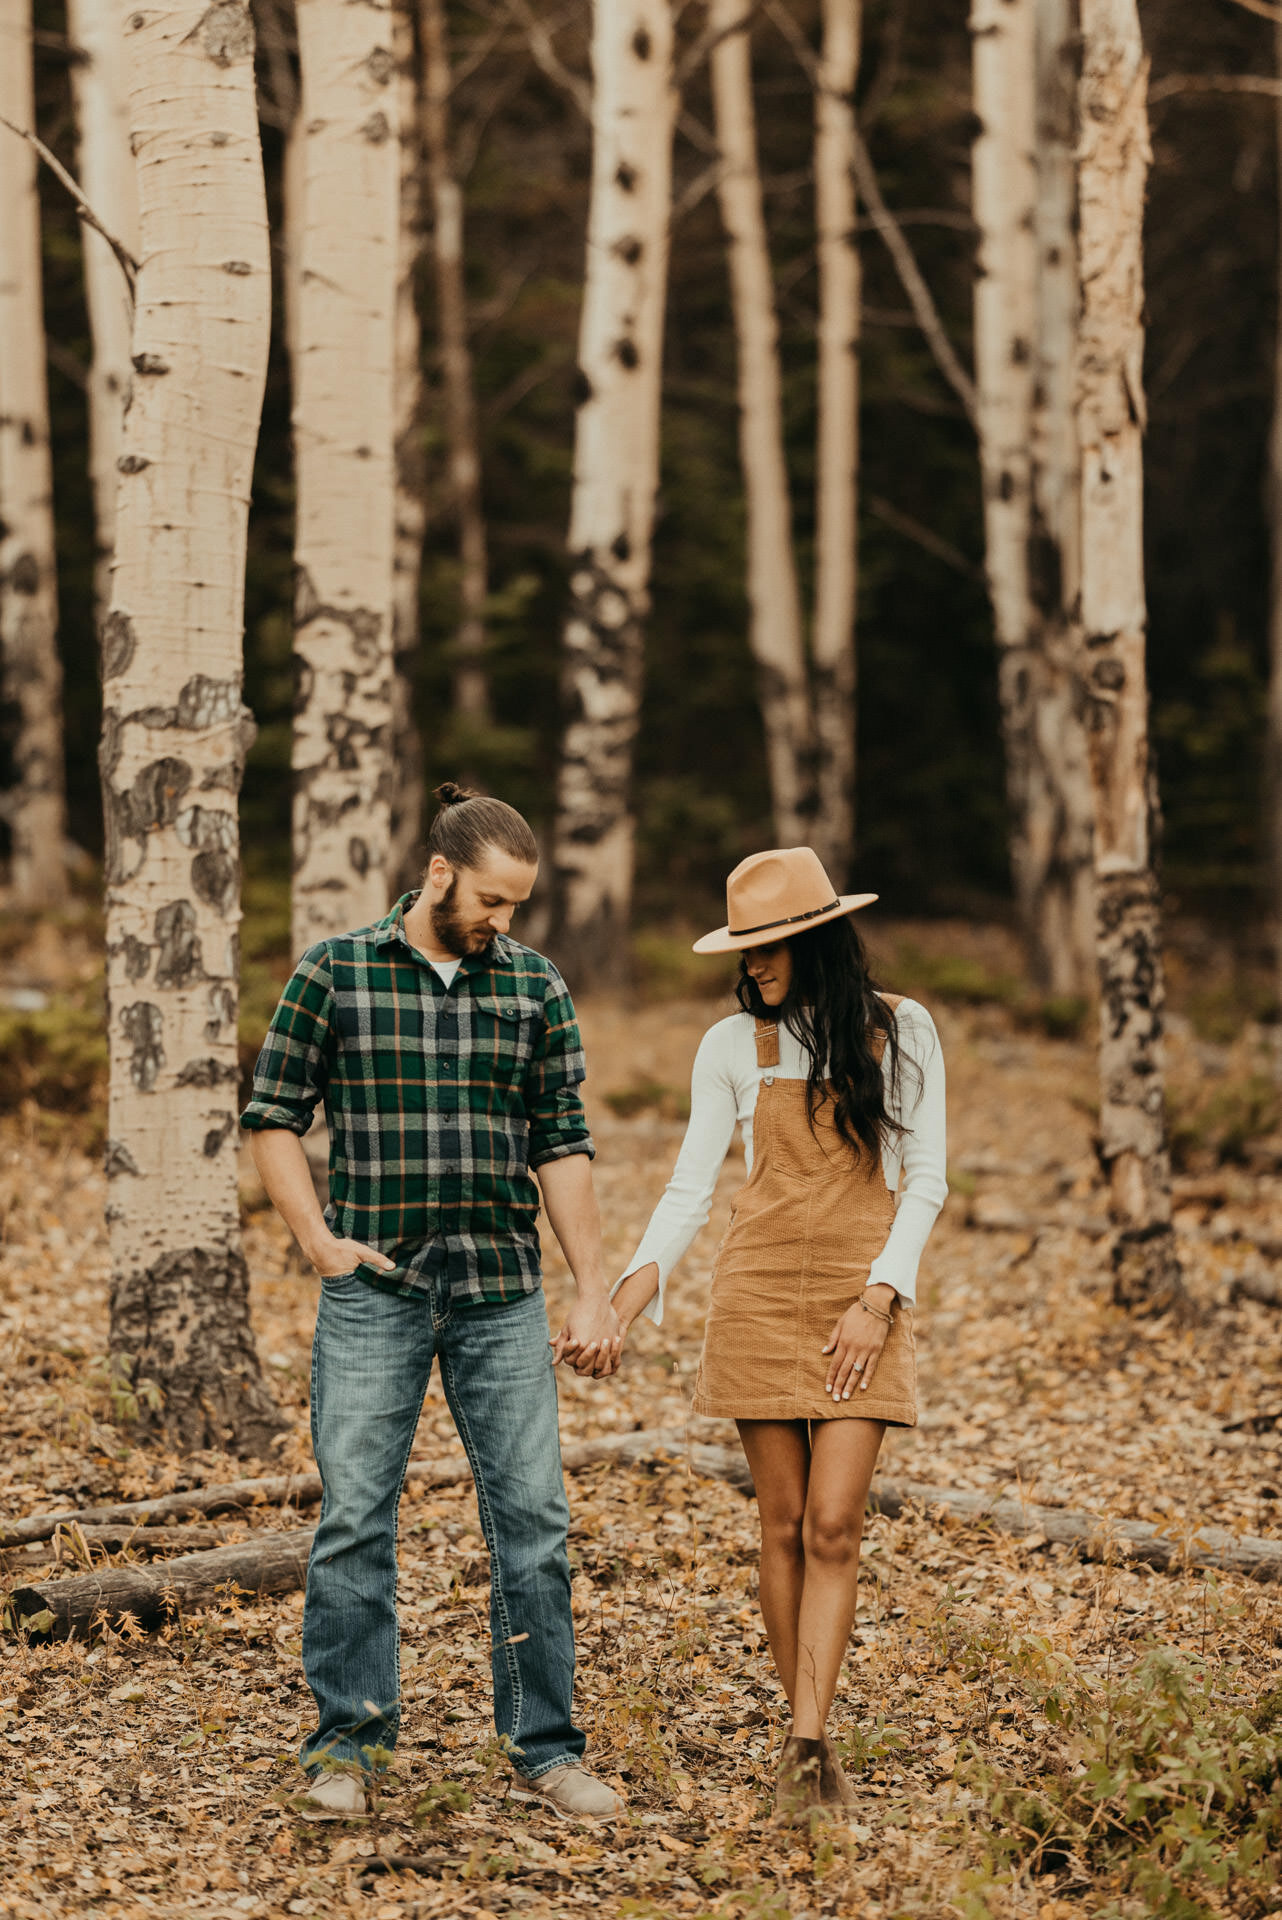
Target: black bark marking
[[143, 1026], [137, 957], [215, 879], [216, 1135], [118, 644], [621, 547], [358, 854], [207, 829], [380, 66], [24, 574], [626, 177], [1109, 675], [205, 702], [208, 1073], [581, 387], [625, 352], [642, 45], [132, 463], [149, 363], [239, 267], [364, 623], [179, 959], [629, 250], [376, 129], [117, 1159], [226, 32], [1006, 486], [222, 1009]]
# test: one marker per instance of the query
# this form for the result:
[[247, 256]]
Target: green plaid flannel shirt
[[440, 1102]]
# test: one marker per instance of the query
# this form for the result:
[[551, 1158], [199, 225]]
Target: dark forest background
[[931, 811]]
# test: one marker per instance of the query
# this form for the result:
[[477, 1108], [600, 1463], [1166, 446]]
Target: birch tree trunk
[[1274, 744], [1055, 879], [106, 169], [33, 804], [774, 600], [175, 730], [471, 682], [837, 450], [1112, 166], [406, 824], [343, 432], [616, 470]]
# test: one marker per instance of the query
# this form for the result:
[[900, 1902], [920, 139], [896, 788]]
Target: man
[[448, 1059]]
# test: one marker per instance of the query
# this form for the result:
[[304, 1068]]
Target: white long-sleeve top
[[723, 1091]]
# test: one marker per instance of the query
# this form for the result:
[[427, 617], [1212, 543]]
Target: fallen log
[[1094, 1536], [304, 1489], [149, 1596], [277, 1562]]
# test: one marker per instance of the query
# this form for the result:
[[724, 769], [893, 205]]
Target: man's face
[[469, 905]]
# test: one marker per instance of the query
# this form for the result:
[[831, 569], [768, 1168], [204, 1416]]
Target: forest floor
[[1030, 1733]]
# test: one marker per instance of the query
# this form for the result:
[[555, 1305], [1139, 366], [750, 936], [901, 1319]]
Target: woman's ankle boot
[[834, 1788], [797, 1789]]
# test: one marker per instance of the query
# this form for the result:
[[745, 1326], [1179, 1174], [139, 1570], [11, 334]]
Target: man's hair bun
[[451, 794]]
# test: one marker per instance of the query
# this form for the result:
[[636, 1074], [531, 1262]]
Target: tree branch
[[910, 274], [128, 265], [932, 543], [547, 59], [1262, 8], [1176, 84]]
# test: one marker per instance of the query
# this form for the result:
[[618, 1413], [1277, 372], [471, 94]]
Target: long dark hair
[[833, 1007]]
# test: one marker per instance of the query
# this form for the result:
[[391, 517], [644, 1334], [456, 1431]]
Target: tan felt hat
[[771, 896]]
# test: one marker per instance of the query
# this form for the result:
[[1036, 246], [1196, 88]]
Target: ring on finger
[[859, 1366]]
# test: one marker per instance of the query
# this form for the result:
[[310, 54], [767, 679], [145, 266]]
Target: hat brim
[[724, 941]]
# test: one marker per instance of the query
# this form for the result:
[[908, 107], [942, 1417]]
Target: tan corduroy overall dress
[[804, 1230]]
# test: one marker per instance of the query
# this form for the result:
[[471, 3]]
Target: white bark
[[1054, 877], [774, 599], [343, 433], [106, 172], [32, 673], [406, 824], [616, 467], [174, 727], [471, 681], [1112, 166], [1025, 316], [837, 450]]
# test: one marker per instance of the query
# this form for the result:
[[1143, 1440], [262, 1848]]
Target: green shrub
[[56, 1056], [1164, 1784]]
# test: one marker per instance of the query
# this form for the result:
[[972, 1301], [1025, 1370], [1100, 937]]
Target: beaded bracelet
[[876, 1312]]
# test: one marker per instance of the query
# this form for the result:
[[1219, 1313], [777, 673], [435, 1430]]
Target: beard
[[453, 932]]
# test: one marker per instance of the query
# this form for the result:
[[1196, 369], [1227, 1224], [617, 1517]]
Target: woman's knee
[[832, 1535], [781, 1527]]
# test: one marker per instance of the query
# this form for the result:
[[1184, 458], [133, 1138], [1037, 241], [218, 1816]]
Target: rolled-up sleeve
[[553, 1104], [293, 1066]]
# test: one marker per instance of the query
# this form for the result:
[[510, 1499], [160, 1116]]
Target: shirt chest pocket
[[505, 1027]]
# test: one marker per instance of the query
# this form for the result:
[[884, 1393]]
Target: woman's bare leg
[[779, 1455], [843, 1454]]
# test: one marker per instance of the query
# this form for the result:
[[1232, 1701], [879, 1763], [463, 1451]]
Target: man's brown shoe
[[797, 1789], [572, 1792]]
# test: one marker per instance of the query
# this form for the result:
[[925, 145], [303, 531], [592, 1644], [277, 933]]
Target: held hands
[[592, 1337], [855, 1344], [332, 1256]]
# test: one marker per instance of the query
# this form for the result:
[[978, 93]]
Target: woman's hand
[[855, 1344]]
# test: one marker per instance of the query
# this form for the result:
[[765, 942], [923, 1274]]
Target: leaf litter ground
[[150, 1774]]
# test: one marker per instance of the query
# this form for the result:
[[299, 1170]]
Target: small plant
[[110, 1377]]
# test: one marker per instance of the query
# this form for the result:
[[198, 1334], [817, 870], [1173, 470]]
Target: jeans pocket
[[340, 1282]]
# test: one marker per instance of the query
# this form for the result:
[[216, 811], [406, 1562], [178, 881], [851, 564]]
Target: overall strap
[[767, 1038]]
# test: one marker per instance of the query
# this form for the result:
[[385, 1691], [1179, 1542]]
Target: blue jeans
[[371, 1361]]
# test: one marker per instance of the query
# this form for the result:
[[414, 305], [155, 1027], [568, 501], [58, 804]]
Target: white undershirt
[[723, 1090], [446, 969]]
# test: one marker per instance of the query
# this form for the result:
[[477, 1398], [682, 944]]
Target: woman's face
[[771, 968]]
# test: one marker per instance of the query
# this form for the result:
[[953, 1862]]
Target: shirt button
[[767, 1079]]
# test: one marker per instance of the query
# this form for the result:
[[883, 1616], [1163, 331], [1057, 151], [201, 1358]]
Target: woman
[[839, 1093]]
